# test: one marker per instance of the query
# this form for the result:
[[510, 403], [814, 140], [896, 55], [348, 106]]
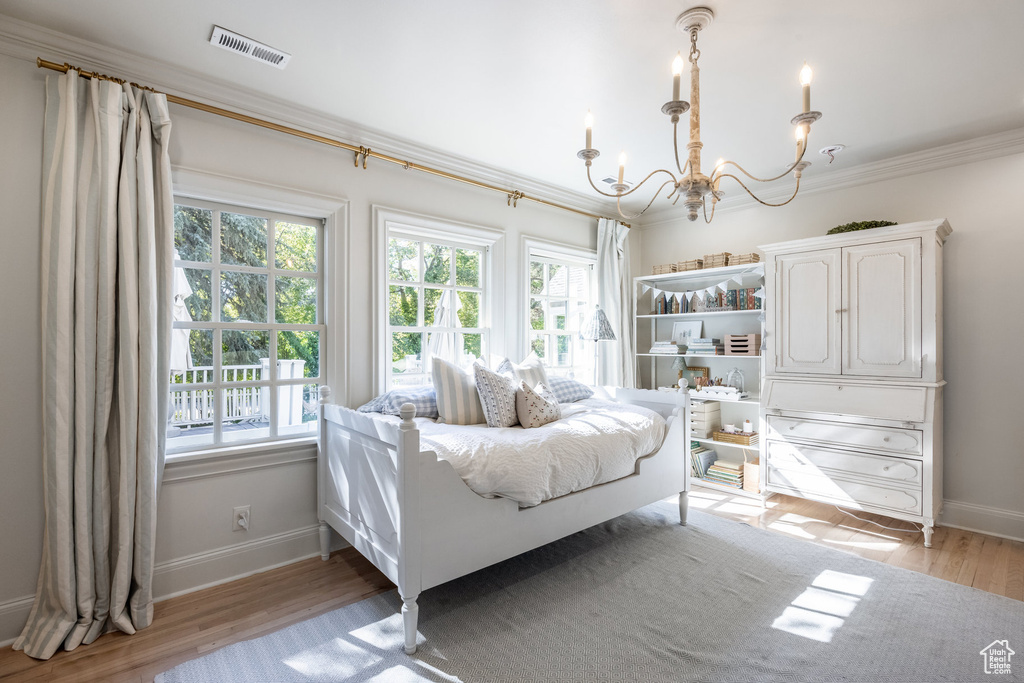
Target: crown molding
[[937, 158], [23, 40]]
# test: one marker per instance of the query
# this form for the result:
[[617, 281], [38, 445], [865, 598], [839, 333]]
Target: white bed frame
[[413, 517]]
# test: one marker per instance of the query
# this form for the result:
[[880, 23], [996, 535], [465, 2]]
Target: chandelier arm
[[763, 180], [675, 148], [618, 206], [758, 199], [713, 206], [635, 188]]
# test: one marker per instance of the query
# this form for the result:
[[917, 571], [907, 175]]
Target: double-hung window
[[248, 323], [436, 303], [561, 295]]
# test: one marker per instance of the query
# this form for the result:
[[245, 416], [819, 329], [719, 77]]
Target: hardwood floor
[[192, 625]]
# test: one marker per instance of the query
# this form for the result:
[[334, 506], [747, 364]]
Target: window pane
[[243, 239], [537, 346], [290, 407], [403, 260], [402, 303], [405, 352], [243, 297], [191, 411], [193, 233], [579, 282], [469, 310], [191, 356], [295, 246], [246, 413], [437, 264], [298, 354], [557, 280], [564, 353], [580, 309], [431, 299], [199, 304], [295, 301], [536, 314], [307, 423], [536, 277], [472, 347], [467, 268], [559, 311], [245, 355]]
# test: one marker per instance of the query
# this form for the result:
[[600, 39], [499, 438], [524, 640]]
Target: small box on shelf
[[742, 344], [692, 264], [741, 438]]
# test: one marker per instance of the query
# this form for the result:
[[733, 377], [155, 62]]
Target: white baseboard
[[13, 615], [195, 572], [983, 519]]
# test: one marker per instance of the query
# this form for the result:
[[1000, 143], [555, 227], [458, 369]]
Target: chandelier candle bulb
[[589, 123], [677, 71], [805, 81], [622, 166]]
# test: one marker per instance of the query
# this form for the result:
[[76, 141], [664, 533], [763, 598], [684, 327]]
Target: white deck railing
[[194, 406]]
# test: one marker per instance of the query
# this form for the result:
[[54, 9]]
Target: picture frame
[[685, 330], [693, 372]]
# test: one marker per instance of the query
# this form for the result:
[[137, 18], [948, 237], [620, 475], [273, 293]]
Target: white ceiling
[[507, 83]]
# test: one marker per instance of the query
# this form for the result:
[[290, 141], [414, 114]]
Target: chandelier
[[691, 185]]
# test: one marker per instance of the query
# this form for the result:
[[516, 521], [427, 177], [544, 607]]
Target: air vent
[[253, 49]]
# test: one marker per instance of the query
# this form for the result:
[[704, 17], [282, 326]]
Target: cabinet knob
[[839, 388], [885, 469]]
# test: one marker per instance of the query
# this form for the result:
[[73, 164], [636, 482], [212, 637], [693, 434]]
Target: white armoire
[[851, 407]]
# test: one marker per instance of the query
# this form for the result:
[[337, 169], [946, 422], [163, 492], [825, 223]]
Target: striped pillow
[[531, 370], [458, 401]]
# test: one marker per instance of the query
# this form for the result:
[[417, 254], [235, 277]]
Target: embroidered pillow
[[458, 401], [497, 396], [531, 370], [536, 407], [424, 399], [569, 390]]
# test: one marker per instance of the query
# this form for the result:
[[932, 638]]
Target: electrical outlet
[[240, 518]]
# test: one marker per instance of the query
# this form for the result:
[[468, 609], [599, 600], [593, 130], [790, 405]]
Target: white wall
[[195, 544], [983, 324]]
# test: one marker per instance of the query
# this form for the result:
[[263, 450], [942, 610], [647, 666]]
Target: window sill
[[231, 459]]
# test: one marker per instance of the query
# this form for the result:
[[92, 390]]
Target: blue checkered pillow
[[569, 390], [423, 398]]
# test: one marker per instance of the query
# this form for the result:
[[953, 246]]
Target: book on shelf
[[701, 459], [666, 347], [726, 472], [727, 464], [705, 341], [712, 478]]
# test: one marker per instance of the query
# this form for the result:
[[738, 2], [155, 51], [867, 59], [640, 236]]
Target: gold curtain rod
[[365, 152]]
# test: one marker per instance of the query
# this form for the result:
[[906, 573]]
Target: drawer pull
[[886, 439], [885, 469], [839, 388]]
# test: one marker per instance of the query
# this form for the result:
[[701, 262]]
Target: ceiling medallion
[[691, 185]]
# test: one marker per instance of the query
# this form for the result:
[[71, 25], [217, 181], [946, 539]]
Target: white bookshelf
[[655, 370]]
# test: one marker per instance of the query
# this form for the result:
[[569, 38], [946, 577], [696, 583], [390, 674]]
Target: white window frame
[[533, 249], [399, 224], [192, 187]]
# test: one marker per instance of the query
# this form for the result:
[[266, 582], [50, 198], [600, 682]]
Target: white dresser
[[852, 397]]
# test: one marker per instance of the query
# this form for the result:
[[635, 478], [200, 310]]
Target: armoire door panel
[[882, 299], [808, 288]]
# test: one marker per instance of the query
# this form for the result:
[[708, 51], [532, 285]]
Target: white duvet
[[594, 442]]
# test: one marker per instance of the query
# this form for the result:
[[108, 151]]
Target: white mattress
[[595, 441]]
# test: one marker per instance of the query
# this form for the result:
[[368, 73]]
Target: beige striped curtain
[[107, 240]]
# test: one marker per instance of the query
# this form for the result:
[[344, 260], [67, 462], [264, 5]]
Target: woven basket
[[741, 439]]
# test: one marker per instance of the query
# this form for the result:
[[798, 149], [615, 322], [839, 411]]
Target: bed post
[[321, 463], [409, 521], [683, 414]]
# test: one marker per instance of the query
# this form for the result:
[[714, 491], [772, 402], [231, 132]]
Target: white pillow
[[531, 370], [497, 396], [458, 402], [536, 407]]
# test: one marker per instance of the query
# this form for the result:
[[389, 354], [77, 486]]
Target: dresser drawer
[[804, 459], [905, 404], [885, 439], [845, 493]]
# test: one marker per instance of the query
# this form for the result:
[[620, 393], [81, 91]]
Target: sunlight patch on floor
[[336, 659], [386, 634], [821, 610], [792, 530]]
